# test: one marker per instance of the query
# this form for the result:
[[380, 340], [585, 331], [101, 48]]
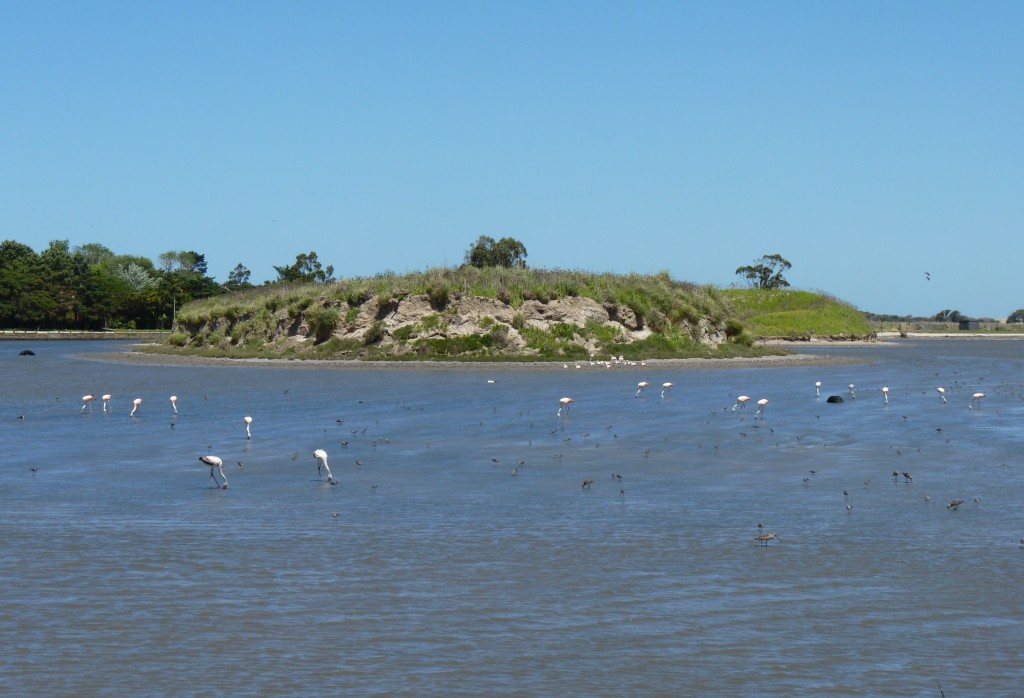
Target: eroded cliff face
[[398, 324]]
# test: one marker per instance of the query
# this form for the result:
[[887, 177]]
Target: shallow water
[[452, 568]]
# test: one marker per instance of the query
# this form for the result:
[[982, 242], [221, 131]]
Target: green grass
[[785, 313]]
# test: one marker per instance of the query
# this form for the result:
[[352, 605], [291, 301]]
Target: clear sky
[[865, 142]]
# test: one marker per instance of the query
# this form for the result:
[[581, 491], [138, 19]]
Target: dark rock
[[834, 398]]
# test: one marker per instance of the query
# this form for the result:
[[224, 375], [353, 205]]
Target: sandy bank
[[140, 358]]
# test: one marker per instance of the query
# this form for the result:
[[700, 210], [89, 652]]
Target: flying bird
[[927, 276]]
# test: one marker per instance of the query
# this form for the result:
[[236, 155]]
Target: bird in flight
[[927, 276]]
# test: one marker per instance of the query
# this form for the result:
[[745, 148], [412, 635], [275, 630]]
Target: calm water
[[124, 571]]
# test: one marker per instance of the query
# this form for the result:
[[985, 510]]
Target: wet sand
[[142, 358]]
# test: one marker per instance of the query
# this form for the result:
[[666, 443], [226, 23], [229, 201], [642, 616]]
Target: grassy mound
[[795, 314]]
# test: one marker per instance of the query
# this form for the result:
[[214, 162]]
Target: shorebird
[[907, 477], [87, 403], [587, 484], [955, 504], [564, 404], [321, 464], [761, 404], [765, 537], [216, 463]]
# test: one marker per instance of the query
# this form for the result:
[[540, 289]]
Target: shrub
[[322, 322], [178, 339], [404, 333], [437, 294], [374, 333], [518, 321]]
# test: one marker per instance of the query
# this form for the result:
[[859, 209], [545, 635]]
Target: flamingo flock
[[218, 475]]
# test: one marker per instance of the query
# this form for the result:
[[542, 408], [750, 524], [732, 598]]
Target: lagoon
[[461, 555]]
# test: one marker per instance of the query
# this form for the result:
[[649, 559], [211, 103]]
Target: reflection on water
[[461, 555]]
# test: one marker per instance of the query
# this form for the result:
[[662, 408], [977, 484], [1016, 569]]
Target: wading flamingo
[[885, 395], [135, 406], [741, 401], [853, 395], [976, 400], [87, 403], [942, 394], [665, 387], [321, 463], [174, 403], [640, 388], [760, 407], [564, 404], [216, 463], [106, 403], [817, 388], [248, 421]]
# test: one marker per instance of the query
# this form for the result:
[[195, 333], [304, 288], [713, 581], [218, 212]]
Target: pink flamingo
[[760, 407], [665, 388], [640, 387], [106, 403], [741, 401], [174, 403], [135, 406], [942, 394], [564, 404], [87, 403], [248, 421], [216, 463], [976, 400]]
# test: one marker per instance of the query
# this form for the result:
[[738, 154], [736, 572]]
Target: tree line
[[90, 287]]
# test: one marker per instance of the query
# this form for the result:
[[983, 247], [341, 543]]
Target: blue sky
[[865, 142]]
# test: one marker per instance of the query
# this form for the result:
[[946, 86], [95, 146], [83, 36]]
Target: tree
[[238, 278], [1016, 316], [486, 252], [766, 272], [307, 269], [948, 315]]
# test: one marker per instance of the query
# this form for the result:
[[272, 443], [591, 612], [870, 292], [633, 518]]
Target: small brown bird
[[955, 504], [587, 484], [765, 537]]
